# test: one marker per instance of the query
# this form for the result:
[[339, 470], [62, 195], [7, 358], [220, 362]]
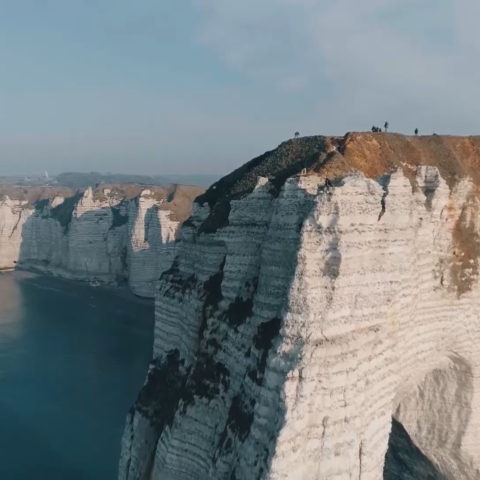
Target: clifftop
[[286, 342], [373, 154], [32, 194], [177, 198]]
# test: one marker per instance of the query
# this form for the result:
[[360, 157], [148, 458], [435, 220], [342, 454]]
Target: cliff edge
[[109, 234], [317, 292]]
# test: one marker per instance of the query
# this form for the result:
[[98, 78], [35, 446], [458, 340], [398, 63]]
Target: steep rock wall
[[102, 235], [12, 218], [302, 312], [151, 245]]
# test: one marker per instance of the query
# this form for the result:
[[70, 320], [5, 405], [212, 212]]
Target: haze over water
[[72, 360]]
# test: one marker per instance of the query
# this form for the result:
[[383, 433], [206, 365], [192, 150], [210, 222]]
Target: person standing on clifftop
[[386, 126], [416, 132]]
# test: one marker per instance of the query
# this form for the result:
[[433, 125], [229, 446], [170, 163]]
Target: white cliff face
[[95, 236], [13, 215], [287, 339], [151, 245], [97, 246]]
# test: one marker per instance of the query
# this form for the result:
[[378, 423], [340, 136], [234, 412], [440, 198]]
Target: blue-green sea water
[[72, 359]]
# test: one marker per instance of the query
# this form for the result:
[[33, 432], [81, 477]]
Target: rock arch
[[436, 412]]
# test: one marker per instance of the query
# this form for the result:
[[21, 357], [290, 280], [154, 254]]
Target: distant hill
[[201, 180], [83, 180]]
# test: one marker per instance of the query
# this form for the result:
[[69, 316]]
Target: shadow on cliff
[[174, 392], [150, 252], [236, 367], [405, 461], [96, 246], [91, 247]]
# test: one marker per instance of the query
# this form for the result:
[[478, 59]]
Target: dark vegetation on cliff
[[373, 154], [206, 376], [290, 158], [158, 399]]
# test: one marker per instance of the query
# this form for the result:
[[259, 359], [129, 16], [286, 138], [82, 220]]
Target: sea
[[72, 360]]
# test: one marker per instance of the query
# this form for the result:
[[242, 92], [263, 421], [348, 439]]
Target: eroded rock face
[[302, 312], [151, 245], [103, 235], [12, 218]]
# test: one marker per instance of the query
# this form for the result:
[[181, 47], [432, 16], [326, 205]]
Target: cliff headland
[[319, 320]]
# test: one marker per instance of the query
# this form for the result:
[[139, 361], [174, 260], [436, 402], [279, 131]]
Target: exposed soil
[[375, 154]]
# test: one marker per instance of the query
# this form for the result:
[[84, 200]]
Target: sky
[[201, 86]]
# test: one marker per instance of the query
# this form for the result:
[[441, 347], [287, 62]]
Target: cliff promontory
[[111, 234], [319, 321]]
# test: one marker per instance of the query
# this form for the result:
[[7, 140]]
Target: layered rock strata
[[111, 234], [303, 312]]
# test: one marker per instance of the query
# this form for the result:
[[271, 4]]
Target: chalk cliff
[[303, 312], [111, 234]]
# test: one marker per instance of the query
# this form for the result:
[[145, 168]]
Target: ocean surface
[[72, 359]]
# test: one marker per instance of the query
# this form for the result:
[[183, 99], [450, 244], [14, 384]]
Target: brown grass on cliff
[[180, 201], [176, 198], [375, 154], [32, 194]]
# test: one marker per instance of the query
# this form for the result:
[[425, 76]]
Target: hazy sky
[[200, 86]]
